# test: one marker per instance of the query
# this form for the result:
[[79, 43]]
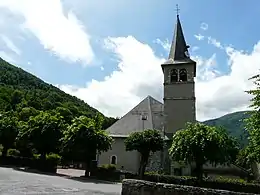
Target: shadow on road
[[66, 176]]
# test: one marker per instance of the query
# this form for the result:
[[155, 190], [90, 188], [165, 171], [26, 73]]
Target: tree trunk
[[4, 152], [87, 168], [43, 156], [199, 171], [143, 164]]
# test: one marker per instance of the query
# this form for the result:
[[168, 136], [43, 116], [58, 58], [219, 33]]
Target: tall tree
[[9, 129], [203, 144], [145, 142], [84, 139], [253, 123], [44, 132]]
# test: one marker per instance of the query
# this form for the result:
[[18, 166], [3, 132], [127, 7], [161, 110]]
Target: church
[[177, 109]]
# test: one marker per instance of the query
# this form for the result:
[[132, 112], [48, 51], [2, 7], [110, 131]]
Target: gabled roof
[[132, 121]]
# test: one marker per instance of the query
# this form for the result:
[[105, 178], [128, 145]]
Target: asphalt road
[[13, 182]]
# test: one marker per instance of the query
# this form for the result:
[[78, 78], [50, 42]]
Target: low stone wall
[[139, 187]]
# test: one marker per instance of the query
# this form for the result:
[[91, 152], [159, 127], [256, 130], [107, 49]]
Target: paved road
[[13, 182]]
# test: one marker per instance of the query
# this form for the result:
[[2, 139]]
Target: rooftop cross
[[177, 9]]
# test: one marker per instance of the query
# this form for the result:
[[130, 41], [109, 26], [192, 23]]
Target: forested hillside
[[26, 94], [234, 123]]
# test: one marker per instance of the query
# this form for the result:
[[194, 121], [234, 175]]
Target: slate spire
[[179, 48]]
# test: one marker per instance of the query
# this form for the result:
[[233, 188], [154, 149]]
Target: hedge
[[48, 165], [237, 185]]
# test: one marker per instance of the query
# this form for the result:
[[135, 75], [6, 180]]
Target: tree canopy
[[44, 132], [9, 129], [253, 123], [83, 139], [203, 144], [144, 142]]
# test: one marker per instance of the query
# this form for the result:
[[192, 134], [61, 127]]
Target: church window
[[183, 75], [113, 160], [174, 75]]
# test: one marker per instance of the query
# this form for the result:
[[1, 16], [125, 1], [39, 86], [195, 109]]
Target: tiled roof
[[150, 108]]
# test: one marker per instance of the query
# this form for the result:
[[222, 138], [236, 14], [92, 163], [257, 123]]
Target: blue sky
[[108, 53]]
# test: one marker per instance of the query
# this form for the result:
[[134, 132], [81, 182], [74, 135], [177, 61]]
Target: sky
[[108, 53]]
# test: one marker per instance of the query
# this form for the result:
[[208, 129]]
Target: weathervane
[[177, 9]]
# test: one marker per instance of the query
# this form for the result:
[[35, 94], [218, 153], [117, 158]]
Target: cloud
[[9, 43], [61, 34], [195, 48], [139, 74], [204, 26], [214, 42], [8, 57], [165, 44], [199, 37]]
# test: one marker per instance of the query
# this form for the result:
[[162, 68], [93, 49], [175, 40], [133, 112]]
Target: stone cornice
[[179, 98]]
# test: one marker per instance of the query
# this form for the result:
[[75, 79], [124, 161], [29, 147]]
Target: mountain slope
[[20, 89], [233, 123]]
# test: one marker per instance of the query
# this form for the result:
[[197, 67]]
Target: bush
[[107, 167], [13, 152], [55, 158], [48, 165], [237, 185], [107, 172], [36, 156]]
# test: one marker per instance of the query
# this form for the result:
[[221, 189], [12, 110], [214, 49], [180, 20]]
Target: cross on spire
[[177, 9]]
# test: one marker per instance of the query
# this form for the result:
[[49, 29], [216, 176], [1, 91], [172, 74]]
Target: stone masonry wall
[[154, 163], [139, 187]]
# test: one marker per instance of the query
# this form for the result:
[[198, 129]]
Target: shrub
[[36, 156], [108, 167], [107, 172], [13, 152], [55, 158]]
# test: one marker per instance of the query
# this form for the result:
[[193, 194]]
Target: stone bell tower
[[179, 86]]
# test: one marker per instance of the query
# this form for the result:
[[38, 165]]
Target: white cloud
[[102, 68], [204, 26], [139, 74], [195, 48], [165, 44], [63, 35], [215, 43], [9, 43], [8, 57], [199, 37]]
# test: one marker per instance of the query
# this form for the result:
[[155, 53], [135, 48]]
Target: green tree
[[44, 132], [203, 144], [16, 98], [65, 113], [145, 142], [83, 139], [243, 159], [9, 129], [253, 123], [25, 113]]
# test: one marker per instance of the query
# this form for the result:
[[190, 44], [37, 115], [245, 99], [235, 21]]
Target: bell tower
[[179, 86]]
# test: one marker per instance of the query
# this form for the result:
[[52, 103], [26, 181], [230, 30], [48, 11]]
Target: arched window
[[113, 160], [183, 75], [174, 75]]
